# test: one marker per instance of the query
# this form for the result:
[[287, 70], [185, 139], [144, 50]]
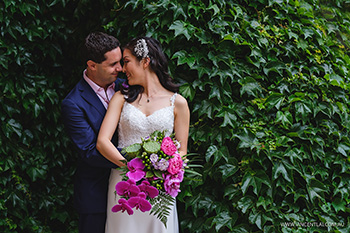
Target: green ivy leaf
[[35, 172], [182, 28], [274, 100], [279, 169], [275, 66], [208, 108], [258, 218], [316, 189], [285, 118], [246, 202], [255, 181], [13, 126], [229, 117], [247, 139], [302, 110], [187, 91], [224, 219], [184, 58], [339, 205], [228, 170], [250, 86], [335, 80], [210, 152], [215, 8], [215, 93], [344, 149]]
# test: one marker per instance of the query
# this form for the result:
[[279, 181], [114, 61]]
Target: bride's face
[[132, 68]]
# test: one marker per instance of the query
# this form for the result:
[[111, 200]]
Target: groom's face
[[108, 70]]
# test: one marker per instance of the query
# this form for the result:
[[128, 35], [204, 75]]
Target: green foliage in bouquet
[[132, 151], [161, 206], [151, 147], [136, 149]]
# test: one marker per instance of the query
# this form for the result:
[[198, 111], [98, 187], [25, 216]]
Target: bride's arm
[[182, 123], [107, 130]]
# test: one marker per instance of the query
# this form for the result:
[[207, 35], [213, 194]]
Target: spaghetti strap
[[172, 99]]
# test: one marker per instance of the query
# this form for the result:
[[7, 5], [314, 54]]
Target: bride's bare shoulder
[[180, 102]]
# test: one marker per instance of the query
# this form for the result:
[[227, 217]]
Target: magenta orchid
[[123, 205], [140, 202], [127, 188], [149, 190], [136, 169]]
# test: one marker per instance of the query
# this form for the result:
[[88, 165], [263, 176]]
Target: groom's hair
[[96, 45]]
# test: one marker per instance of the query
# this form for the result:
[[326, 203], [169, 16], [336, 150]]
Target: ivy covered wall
[[268, 86], [39, 65]]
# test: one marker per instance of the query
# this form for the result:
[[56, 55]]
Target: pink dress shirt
[[104, 95]]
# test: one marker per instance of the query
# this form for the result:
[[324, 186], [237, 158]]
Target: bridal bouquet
[[152, 176]]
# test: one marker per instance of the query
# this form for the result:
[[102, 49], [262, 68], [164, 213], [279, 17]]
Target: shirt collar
[[93, 85]]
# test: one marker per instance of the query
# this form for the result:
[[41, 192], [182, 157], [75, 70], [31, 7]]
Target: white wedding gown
[[133, 126]]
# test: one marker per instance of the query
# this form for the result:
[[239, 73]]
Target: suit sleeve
[[83, 135]]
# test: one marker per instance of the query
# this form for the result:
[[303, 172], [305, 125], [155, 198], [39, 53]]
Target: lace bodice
[[134, 124]]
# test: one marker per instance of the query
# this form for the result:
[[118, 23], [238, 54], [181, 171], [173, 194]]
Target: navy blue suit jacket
[[83, 113]]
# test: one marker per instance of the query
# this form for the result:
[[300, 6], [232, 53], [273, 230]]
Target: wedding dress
[[134, 125]]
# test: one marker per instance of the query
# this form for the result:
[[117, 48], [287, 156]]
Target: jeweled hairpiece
[[141, 48]]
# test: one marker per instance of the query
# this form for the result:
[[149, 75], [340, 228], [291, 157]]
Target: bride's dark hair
[[158, 64]]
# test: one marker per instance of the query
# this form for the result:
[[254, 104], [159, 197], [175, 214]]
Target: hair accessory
[[141, 48]]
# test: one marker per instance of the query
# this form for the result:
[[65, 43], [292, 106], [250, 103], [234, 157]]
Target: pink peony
[[136, 169], [123, 205], [168, 146], [140, 202], [172, 185], [179, 176], [175, 164]]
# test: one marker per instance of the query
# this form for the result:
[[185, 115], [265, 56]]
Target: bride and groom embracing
[[146, 102]]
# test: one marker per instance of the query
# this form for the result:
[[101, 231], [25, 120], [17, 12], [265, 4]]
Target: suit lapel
[[90, 96]]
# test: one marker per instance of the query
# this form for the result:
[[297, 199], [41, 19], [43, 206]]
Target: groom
[[83, 110]]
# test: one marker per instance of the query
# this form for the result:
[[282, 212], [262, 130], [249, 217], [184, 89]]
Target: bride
[[149, 102]]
